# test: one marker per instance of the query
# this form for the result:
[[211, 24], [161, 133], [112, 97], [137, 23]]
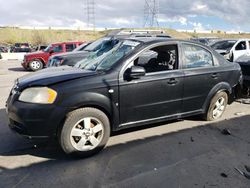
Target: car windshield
[[81, 47], [104, 61], [96, 45], [224, 45], [47, 49]]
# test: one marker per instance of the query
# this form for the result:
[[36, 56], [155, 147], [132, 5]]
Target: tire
[[217, 106], [85, 132], [36, 65]]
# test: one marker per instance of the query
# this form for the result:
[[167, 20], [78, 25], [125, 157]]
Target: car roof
[[119, 34], [152, 40]]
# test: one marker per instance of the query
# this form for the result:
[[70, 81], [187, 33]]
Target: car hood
[[38, 53], [53, 75]]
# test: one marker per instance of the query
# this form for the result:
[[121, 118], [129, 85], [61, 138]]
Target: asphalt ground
[[182, 153]]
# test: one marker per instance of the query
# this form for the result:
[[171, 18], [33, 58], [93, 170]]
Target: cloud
[[121, 13], [199, 7], [197, 26], [177, 19]]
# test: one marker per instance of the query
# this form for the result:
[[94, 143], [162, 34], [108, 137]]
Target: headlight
[[40, 95]]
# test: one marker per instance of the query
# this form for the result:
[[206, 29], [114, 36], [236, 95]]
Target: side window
[[57, 48], [195, 56], [70, 47], [241, 46], [162, 58]]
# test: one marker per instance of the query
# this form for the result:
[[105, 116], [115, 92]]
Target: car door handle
[[172, 81], [214, 76]]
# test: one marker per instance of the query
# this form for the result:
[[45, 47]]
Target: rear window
[[57, 48], [70, 47], [224, 45], [195, 57], [22, 45]]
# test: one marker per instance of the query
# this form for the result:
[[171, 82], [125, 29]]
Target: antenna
[[90, 13], [151, 12]]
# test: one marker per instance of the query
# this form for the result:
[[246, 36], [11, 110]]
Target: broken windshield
[[104, 61]]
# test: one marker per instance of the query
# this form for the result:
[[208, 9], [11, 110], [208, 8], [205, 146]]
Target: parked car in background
[[81, 47], [40, 47], [3, 49], [232, 49], [140, 81], [21, 47], [201, 40], [69, 58], [244, 62], [38, 60], [206, 40], [102, 45]]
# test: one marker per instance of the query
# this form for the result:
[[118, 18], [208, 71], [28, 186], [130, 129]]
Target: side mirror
[[136, 72], [51, 51]]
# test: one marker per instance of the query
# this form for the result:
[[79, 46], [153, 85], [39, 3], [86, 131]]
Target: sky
[[227, 15]]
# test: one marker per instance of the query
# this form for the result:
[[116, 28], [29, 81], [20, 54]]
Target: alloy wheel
[[219, 108], [87, 134]]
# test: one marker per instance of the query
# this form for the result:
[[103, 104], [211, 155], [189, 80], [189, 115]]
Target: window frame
[[56, 46], [130, 61], [239, 43], [72, 44], [214, 62]]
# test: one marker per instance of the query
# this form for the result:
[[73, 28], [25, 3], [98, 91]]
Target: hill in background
[[35, 37]]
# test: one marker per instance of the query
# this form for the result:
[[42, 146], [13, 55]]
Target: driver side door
[[156, 95]]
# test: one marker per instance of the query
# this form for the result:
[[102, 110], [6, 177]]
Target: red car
[[37, 60]]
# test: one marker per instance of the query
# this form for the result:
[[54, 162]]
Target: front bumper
[[34, 120], [25, 64]]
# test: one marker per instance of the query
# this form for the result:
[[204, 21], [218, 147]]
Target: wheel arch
[[223, 86], [93, 100]]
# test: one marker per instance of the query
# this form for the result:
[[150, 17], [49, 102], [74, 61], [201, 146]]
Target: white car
[[232, 49]]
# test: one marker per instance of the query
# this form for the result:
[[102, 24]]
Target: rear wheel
[[217, 106], [85, 132], [36, 65]]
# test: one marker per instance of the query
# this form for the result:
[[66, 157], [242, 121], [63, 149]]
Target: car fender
[[223, 86], [95, 100]]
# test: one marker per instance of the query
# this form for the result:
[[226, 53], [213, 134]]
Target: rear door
[[201, 75], [157, 94]]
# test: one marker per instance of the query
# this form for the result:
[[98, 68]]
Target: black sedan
[[140, 81]]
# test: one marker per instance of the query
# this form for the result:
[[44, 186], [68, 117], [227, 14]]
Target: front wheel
[[35, 65], [85, 132], [217, 106]]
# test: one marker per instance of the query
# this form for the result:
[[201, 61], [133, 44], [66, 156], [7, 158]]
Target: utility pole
[[90, 13], [151, 12]]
